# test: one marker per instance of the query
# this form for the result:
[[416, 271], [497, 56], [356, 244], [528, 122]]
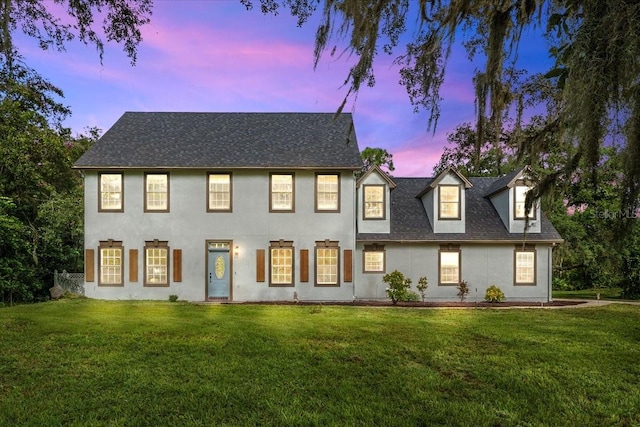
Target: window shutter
[[348, 265], [304, 265], [89, 265], [260, 255], [133, 265], [177, 265]]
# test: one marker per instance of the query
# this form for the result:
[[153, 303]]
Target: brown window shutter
[[133, 265], [304, 265], [89, 265], [260, 254], [177, 265], [348, 265]]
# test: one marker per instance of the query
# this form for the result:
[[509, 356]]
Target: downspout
[[355, 237], [550, 273]]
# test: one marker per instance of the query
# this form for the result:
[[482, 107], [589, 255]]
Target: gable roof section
[[505, 181], [226, 140], [409, 221], [433, 183], [379, 171]]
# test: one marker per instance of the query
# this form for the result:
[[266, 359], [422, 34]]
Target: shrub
[[399, 287], [561, 284], [494, 294], [463, 290], [173, 298], [422, 287]]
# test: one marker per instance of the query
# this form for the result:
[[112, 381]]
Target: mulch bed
[[454, 304]]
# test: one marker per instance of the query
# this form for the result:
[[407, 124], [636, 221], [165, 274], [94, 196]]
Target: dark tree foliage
[[376, 156], [595, 44], [41, 208], [41, 20]]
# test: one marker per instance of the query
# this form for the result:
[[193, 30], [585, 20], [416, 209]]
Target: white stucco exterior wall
[[374, 225], [482, 265], [430, 203], [188, 226]]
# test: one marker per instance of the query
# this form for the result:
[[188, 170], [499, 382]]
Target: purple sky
[[215, 56]]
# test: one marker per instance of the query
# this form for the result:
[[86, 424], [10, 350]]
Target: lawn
[[85, 362], [592, 293]]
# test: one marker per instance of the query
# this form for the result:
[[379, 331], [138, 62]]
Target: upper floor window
[[374, 259], [282, 197], [156, 192], [219, 192], [281, 262], [449, 265], [327, 193], [111, 192], [327, 263], [156, 263], [449, 202], [525, 266], [374, 201], [110, 258], [519, 203]]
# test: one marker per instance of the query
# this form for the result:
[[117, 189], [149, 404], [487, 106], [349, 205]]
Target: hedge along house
[[267, 206]]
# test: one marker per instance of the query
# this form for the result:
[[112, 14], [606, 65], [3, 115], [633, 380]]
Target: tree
[[595, 45], [376, 156], [493, 160], [16, 274], [121, 22], [42, 210]]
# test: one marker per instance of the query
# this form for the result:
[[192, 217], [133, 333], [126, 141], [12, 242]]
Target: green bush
[[561, 284], [422, 287], [463, 290], [399, 287], [173, 298], [494, 294]]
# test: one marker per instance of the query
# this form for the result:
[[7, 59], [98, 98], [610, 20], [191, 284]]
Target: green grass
[[605, 293], [85, 362]]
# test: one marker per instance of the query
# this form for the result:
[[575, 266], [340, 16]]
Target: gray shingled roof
[[409, 221], [501, 183], [226, 140]]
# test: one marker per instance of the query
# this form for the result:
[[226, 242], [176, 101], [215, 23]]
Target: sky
[[215, 56]]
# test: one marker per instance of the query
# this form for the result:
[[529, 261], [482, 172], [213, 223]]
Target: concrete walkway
[[593, 303]]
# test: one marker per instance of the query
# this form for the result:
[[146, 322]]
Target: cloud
[[215, 56]]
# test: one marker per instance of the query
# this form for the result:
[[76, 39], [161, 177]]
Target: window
[[449, 202], [449, 265], [525, 266], [327, 193], [156, 263], [111, 260], [281, 262], [519, 207], [111, 192], [219, 192], [156, 192], [374, 259], [374, 207], [327, 263], [282, 193]]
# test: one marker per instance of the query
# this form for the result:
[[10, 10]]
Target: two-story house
[[266, 206]]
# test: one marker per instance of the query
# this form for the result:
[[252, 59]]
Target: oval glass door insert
[[220, 267]]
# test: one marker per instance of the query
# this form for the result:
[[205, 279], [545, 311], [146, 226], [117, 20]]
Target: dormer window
[[519, 203], [448, 201], [374, 201]]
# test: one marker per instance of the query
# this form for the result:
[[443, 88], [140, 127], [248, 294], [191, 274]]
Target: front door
[[218, 270]]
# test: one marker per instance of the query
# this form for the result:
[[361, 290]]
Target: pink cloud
[[214, 56]]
